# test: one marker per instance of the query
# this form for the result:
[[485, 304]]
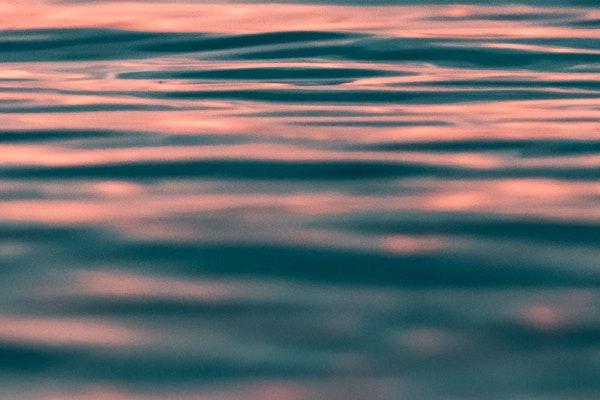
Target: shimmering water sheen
[[290, 200]]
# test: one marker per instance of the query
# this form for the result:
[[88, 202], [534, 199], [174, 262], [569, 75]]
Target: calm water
[[329, 200]]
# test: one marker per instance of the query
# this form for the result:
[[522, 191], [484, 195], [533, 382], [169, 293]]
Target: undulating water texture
[[299, 200]]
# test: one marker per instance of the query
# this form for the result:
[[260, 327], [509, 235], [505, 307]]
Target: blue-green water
[[299, 200]]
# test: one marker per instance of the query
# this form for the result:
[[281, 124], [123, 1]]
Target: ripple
[[523, 147]]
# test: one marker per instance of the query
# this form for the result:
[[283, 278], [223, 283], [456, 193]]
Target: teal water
[[299, 200]]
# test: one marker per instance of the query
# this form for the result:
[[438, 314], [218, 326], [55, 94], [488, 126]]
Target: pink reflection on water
[[545, 317], [424, 341], [68, 331], [48, 155], [108, 203], [93, 393], [523, 119], [406, 244], [240, 18], [123, 285], [268, 389]]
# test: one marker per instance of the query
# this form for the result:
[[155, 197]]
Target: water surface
[[298, 200]]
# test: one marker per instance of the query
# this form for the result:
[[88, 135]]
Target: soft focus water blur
[[299, 200]]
